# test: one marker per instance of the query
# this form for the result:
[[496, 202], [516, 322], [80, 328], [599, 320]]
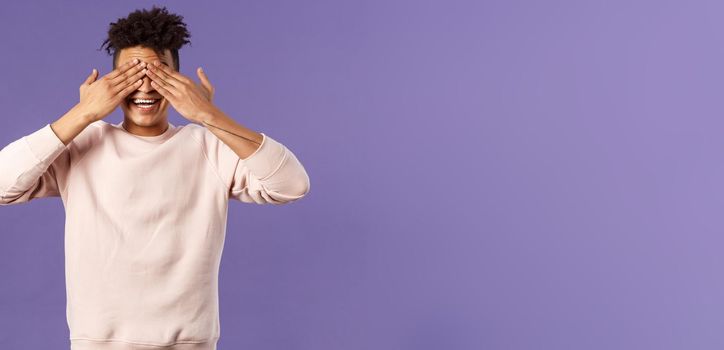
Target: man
[[146, 201]]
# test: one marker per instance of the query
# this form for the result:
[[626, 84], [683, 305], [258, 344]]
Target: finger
[[170, 76], [91, 78], [120, 70], [130, 88], [130, 81], [163, 78], [205, 81], [164, 82], [170, 71], [121, 78], [163, 91]]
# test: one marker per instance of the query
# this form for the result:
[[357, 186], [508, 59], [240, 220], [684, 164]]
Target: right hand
[[98, 98]]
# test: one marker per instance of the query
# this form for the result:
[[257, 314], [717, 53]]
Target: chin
[[144, 116]]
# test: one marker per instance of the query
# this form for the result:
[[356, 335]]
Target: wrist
[[207, 116], [81, 113]]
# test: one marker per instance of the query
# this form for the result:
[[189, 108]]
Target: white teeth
[[140, 100]]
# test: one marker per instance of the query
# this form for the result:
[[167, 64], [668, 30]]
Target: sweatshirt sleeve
[[270, 175], [30, 167]]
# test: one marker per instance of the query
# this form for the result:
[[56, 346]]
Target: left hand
[[191, 100]]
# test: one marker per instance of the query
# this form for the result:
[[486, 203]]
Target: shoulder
[[193, 129], [91, 135], [202, 135]]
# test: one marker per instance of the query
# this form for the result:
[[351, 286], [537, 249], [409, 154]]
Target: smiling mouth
[[143, 104]]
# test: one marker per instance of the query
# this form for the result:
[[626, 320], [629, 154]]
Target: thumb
[[92, 77], [204, 80]]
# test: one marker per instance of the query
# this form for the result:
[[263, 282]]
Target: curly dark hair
[[156, 29]]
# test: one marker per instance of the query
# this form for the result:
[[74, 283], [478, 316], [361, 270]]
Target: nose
[[146, 86]]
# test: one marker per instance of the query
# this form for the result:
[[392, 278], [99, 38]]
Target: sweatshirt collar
[[159, 137]]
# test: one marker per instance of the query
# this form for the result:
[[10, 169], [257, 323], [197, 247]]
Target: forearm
[[268, 171], [243, 141], [71, 124], [30, 166]]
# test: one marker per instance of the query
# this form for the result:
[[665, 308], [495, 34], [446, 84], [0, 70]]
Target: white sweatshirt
[[145, 225]]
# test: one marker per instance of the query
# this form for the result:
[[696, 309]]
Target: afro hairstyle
[[156, 29]]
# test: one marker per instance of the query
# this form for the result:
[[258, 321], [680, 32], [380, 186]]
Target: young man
[[146, 201]]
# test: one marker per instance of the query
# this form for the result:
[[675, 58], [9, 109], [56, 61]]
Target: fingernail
[[135, 60]]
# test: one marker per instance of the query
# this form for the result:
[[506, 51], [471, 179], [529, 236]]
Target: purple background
[[484, 174]]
